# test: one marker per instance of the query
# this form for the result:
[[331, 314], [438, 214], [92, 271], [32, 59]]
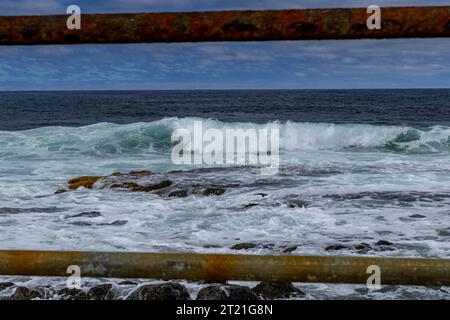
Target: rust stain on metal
[[305, 24], [220, 267]]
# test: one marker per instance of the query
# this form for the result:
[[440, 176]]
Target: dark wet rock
[[4, 285], [88, 224], [213, 191], [250, 205], [24, 293], [297, 204], [61, 190], [72, 294], [86, 182], [101, 292], [363, 248], [128, 283], [405, 198], [337, 247], [212, 246], [289, 249], [167, 291], [212, 293], [132, 186], [244, 246], [276, 290], [178, 194], [444, 232], [384, 243], [227, 292], [173, 184], [280, 248], [91, 214], [115, 223], [262, 194], [141, 172], [81, 223], [417, 216]]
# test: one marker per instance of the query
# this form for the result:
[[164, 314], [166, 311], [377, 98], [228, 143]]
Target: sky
[[418, 63]]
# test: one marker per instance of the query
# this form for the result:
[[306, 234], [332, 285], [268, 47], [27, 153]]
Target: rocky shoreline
[[136, 290]]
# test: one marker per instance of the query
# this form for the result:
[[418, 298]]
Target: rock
[[141, 172], [4, 285], [72, 294], [115, 223], [142, 188], [228, 292], [59, 191], [212, 293], [91, 214], [384, 243], [178, 194], [250, 205], [362, 248], [116, 174], [86, 182], [240, 293], [81, 224], [269, 246], [289, 249], [244, 246], [101, 292], [167, 291], [128, 283], [336, 247], [444, 232], [24, 293], [276, 290], [213, 191], [297, 204], [417, 216]]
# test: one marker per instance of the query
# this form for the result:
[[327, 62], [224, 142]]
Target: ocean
[[361, 172]]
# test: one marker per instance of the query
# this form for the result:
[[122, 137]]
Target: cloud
[[286, 64]]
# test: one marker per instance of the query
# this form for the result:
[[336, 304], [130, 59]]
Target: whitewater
[[337, 184]]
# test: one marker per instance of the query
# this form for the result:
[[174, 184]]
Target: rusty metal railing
[[221, 267], [307, 24]]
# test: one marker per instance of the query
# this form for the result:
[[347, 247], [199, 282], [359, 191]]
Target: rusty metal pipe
[[221, 267], [306, 24]]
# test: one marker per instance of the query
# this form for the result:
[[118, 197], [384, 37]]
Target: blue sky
[[302, 64]]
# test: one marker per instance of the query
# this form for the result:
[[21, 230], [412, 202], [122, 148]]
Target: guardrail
[[306, 24], [221, 267]]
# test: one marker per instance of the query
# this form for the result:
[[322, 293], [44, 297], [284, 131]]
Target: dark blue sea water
[[25, 110]]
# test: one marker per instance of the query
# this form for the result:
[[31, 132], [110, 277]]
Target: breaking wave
[[107, 139]]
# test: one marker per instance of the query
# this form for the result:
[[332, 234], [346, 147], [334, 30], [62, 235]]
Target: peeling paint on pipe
[[305, 24], [221, 267]]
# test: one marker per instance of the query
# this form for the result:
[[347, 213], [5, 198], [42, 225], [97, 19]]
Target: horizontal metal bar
[[221, 267], [306, 24]]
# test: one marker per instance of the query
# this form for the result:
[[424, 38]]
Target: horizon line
[[226, 89]]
